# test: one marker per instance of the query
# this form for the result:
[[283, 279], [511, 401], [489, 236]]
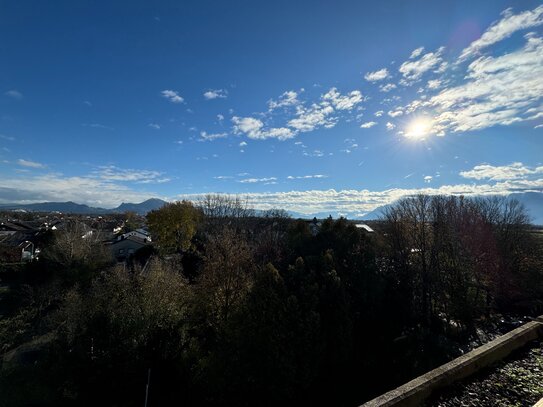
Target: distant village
[[23, 234]]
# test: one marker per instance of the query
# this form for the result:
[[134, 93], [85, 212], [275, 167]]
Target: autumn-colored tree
[[173, 226]]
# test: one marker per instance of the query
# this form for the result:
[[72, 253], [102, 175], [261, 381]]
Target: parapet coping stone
[[413, 393]]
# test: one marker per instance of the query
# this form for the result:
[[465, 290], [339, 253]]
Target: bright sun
[[418, 128]]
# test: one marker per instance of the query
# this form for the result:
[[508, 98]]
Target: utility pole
[[147, 386]]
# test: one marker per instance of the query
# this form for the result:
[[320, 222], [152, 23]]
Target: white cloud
[[395, 113], [54, 187], [254, 129], [387, 88], [513, 171], [363, 201], [504, 28], [367, 125], [8, 138], [428, 179], [247, 125], [379, 113], [434, 84], [314, 153], [326, 112], [113, 173], [416, 53], [497, 91], [172, 95], [412, 70], [346, 102], [291, 177], [154, 126], [15, 94], [204, 136], [257, 180], [390, 126], [220, 117], [375, 76], [216, 94], [315, 116], [288, 98], [242, 144], [30, 164], [280, 133]]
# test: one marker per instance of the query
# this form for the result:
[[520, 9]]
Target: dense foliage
[[238, 309]]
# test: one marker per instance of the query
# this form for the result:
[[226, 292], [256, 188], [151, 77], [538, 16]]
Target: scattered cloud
[[172, 95], [387, 88], [434, 84], [504, 28], [30, 164], [318, 176], [367, 125], [254, 129], [243, 144], [363, 201], [257, 180], [346, 102], [428, 179], [154, 126], [216, 94], [204, 136], [247, 125], [314, 153], [379, 113], [390, 126], [513, 171], [313, 117], [497, 91], [113, 173], [395, 113], [15, 94], [416, 53], [376, 76], [8, 138], [288, 98], [413, 69]]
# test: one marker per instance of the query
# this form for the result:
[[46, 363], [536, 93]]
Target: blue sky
[[311, 106]]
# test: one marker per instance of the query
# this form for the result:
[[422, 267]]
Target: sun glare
[[419, 128]]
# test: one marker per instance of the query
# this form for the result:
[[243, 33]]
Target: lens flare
[[419, 128]]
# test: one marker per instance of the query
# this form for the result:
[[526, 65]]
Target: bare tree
[[77, 243], [220, 210], [227, 273]]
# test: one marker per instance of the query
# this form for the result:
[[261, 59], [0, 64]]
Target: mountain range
[[81, 209], [533, 201]]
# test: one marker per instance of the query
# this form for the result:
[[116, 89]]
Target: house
[[125, 247], [364, 227], [16, 247], [139, 233]]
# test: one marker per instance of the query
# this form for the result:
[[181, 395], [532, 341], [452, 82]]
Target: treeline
[[237, 309]]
